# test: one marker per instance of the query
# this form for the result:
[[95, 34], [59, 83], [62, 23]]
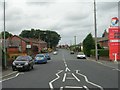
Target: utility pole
[[5, 63], [75, 42], [95, 24]]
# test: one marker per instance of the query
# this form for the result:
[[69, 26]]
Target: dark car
[[40, 58], [23, 63], [48, 56]]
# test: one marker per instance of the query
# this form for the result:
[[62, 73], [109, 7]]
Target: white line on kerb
[[89, 81], [76, 77], [10, 77], [50, 83], [64, 77]]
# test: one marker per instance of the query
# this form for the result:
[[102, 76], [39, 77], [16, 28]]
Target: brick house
[[104, 40], [16, 44]]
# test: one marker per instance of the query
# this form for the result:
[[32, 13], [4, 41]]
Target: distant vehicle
[[48, 56], [23, 63], [71, 52], [40, 58], [55, 53], [81, 55]]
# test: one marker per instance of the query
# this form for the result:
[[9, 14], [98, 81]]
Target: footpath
[[107, 63]]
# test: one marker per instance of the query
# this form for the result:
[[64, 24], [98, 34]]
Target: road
[[66, 71]]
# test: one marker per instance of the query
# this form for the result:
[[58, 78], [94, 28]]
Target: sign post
[[114, 40]]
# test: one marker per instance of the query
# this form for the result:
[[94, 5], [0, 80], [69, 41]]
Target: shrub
[[101, 52]]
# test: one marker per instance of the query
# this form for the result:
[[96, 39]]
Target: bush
[[101, 52]]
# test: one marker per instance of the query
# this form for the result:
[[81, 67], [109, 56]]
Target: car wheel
[[28, 69], [32, 67], [13, 69]]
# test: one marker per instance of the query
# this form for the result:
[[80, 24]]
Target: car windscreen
[[22, 58], [39, 55]]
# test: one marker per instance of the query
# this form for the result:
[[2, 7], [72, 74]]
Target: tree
[[51, 37], [88, 44], [7, 34]]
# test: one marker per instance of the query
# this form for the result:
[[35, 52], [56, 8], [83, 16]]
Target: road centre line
[[86, 79], [50, 83], [75, 77], [64, 78]]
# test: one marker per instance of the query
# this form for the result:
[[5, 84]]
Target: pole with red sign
[[114, 40]]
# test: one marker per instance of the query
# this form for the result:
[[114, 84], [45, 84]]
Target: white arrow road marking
[[89, 81], [50, 83], [67, 69]]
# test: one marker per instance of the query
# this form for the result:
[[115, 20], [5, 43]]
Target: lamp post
[[95, 26]]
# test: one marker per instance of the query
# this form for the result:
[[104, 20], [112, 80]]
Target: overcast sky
[[67, 17]]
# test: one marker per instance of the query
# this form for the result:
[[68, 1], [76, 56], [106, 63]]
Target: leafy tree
[[7, 34], [88, 44], [51, 37]]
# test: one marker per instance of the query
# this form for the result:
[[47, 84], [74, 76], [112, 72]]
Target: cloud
[[68, 18]]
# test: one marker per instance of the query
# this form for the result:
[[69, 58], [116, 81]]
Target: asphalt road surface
[[64, 71]]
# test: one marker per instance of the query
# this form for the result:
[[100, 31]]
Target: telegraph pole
[[95, 24], [75, 42], [5, 63]]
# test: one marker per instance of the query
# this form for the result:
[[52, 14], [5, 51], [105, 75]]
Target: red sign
[[114, 43]]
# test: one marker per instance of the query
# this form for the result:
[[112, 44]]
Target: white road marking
[[10, 77], [76, 77], [61, 88], [89, 81], [64, 78], [105, 65], [50, 83], [72, 87], [86, 87], [67, 69], [70, 78], [9, 74], [116, 69]]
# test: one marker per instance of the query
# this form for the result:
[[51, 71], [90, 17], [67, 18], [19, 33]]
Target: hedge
[[101, 52]]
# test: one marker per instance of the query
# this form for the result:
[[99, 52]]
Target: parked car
[[48, 56], [71, 52], [81, 55], [40, 58], [55, 53], [23, 63]]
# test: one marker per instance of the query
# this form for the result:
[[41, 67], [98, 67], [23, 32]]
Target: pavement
[[66, 71]]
